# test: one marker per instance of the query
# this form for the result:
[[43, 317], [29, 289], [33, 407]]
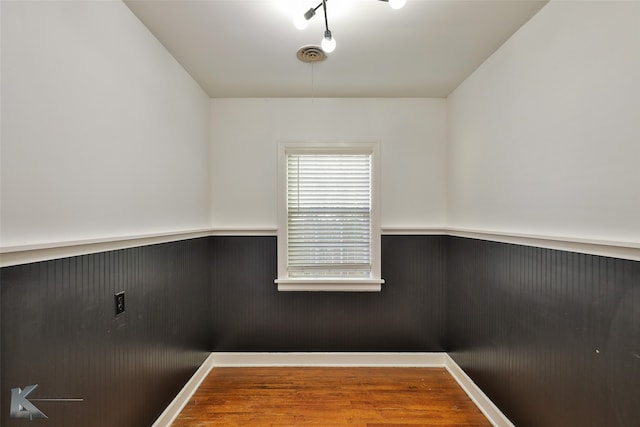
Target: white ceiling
[[247, 48]]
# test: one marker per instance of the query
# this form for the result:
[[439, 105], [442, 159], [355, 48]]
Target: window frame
[[343, 284]]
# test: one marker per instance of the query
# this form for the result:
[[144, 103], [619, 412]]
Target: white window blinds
[[329, 222]]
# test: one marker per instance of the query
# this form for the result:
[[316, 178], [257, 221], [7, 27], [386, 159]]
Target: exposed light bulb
[[397, 4], [328, 42], [300, 22]]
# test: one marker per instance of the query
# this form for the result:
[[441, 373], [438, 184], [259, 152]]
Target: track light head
[[309, 14]]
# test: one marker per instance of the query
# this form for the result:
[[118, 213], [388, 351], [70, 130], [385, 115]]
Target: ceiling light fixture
[[328, 41], [396, 4]]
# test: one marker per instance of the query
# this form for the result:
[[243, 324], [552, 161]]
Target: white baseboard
[[330, 359], [180, 401], [486, 406], [423, 360]]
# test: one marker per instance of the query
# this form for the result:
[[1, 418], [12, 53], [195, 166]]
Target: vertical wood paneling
[[552, 337], [249, 314], [59, 330]]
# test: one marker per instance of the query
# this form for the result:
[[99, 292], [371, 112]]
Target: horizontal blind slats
[[329, 215]]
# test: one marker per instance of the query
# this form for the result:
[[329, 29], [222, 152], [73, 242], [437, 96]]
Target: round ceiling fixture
[[311, 54]]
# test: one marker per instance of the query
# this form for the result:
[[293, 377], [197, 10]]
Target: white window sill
[[330, 285]]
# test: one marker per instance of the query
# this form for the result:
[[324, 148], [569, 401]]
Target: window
[[328, 233]]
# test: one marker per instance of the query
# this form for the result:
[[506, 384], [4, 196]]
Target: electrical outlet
[[119, 297]]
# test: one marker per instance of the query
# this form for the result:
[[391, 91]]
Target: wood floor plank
[[361, 397]]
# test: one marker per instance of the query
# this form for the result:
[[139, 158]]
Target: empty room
[[306, 212]]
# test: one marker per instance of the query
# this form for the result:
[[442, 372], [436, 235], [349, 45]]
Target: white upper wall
[[544, 138], [246, 132], [103, 133]]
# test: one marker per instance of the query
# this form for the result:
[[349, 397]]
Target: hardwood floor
[[365, 397]]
